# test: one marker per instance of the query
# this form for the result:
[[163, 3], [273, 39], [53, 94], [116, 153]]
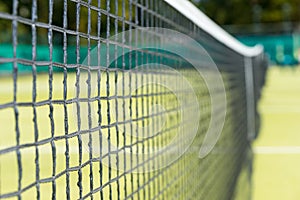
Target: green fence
[[282, 49]]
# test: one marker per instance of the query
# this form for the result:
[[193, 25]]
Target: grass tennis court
[[8, 161], [9, 166], [277, 150], [64, 140], [9, 171]]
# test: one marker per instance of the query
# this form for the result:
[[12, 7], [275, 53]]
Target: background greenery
[[249, 11], [118, 8]]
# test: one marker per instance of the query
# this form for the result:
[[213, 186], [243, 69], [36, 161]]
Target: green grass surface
[[9, 172], [9, 165], [276, 171]]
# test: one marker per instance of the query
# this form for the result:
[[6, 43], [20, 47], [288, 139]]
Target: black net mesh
[[72, 131]]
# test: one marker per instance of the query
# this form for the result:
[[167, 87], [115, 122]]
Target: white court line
[[280, 109], [276, 150]]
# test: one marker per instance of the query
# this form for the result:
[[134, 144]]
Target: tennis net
[[124, 99]]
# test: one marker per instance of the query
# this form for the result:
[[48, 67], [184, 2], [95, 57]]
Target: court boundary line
[[276, 150]]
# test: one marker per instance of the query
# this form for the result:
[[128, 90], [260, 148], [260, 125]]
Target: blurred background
[[276, 25], [273, 23]]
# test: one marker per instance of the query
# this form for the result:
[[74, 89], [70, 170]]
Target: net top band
[[187, 9]]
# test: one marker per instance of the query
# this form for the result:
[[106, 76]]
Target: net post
[[250, 98]]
